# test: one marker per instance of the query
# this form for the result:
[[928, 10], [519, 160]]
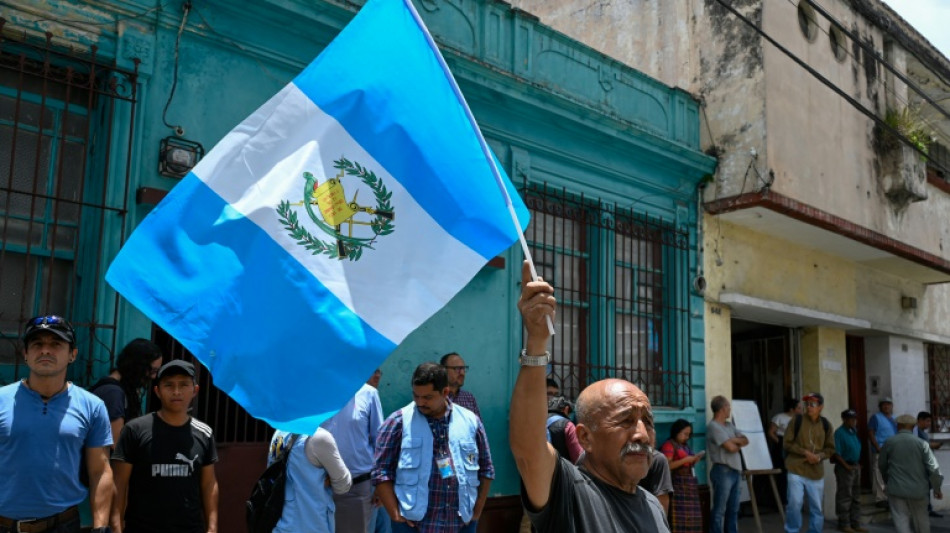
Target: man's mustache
[[636, 447]]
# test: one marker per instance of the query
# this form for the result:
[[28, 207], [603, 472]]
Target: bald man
[[615, 429]]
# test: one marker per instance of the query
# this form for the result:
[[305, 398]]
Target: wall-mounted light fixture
[[177, 156]]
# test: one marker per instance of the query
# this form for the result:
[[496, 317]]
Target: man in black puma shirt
[[615, 428], [164, 464]]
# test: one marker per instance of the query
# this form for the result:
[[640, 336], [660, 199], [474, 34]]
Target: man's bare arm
[[209, 497], [533, 455], [101, 486]]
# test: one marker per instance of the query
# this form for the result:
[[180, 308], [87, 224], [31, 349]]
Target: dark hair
[[445, 358], [134, 364], [553, 383], [430, 373], [924, 415], [679, 426], [717, 403], [790, 403]]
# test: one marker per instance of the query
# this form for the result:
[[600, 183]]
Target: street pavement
[[772, 523]]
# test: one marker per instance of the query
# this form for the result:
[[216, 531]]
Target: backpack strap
[[797, 427], [284, 454]]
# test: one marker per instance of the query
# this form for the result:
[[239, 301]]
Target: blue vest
[[415, 461], [886, 427], [308, 503]]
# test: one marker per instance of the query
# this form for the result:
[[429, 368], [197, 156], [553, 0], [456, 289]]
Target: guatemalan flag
[[326, 227]]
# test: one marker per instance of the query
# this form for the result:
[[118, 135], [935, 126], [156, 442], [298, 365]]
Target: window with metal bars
[[230, 422], [57, 122], [938, 359], [621, 280]]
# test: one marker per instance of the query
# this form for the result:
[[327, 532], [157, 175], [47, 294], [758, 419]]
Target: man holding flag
[[316, 212]]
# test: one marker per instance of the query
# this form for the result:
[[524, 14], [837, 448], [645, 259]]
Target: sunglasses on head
[[49, 320]]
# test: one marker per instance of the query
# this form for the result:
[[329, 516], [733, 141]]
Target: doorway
[[763, 371]]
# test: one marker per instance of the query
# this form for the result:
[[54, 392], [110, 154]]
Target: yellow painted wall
[[743, 261], [825, 369], [718, 352]]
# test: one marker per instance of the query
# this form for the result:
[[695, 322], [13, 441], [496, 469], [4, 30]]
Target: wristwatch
[[534, 360]]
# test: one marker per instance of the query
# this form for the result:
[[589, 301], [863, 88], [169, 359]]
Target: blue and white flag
[[326, 227]]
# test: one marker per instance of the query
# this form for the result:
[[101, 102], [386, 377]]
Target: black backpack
[[266, 503]]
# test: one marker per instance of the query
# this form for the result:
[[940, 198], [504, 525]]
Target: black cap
[[56, 325], [849, 413], [176, 367]]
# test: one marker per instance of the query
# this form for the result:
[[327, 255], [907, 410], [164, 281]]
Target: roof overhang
[[788, 219]]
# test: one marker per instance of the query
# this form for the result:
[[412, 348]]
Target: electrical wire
[[837, 90], [876, 55], [186, 7], [934, 129], [239, 46]]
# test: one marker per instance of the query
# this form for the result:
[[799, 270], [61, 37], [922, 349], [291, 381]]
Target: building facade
[[104, 104], [825, 229]]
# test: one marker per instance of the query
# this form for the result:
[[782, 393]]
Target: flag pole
[[481, 142]]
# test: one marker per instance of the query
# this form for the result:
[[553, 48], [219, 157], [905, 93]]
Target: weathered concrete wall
[[823, 151], [656, 38]]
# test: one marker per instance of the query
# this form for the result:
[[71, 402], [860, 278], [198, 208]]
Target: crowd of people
[[589, 466]]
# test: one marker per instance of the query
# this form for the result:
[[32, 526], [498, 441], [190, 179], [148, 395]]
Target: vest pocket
[[410, 454], [470, 466]]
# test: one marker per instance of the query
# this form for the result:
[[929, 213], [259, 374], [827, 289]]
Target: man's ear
[[445, 391], [584, 436], [72, 356]]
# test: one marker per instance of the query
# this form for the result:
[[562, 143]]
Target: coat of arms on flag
[[338, 217]]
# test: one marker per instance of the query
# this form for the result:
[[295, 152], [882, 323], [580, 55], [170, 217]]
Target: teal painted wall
[[553, 109]]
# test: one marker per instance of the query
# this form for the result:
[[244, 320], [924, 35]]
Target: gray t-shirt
[[716, 434], [658, 480], [581, 503]]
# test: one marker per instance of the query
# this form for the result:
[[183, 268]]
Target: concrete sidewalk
[[772, 523]]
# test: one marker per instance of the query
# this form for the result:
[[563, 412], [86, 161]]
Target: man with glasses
[[457, 369], [46, 425], [808, 441]]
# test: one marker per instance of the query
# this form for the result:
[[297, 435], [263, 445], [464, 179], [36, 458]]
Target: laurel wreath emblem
[[353, 247]]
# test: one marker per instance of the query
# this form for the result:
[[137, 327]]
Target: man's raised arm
[[534, 456]]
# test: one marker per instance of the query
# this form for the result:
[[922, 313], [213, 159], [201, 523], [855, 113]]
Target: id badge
[[444, 462]]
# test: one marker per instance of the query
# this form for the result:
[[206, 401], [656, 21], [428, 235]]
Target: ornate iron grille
[[938, 356], [59, 115], [230, 422], [621, 280]]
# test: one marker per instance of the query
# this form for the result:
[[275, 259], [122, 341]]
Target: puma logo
[[191, 462]]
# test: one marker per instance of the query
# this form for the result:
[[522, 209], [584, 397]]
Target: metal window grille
[[229, 421], [58, 119], [621, 282], [938, 356]]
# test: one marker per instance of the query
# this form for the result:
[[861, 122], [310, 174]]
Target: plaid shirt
[[442, 515], [467, 400]]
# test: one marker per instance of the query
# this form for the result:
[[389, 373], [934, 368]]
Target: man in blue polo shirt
[[46, 425], [847, 461], [355, 429], [881, 426]]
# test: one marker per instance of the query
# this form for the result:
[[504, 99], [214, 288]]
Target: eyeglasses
[[812, 404], [463, 368]]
